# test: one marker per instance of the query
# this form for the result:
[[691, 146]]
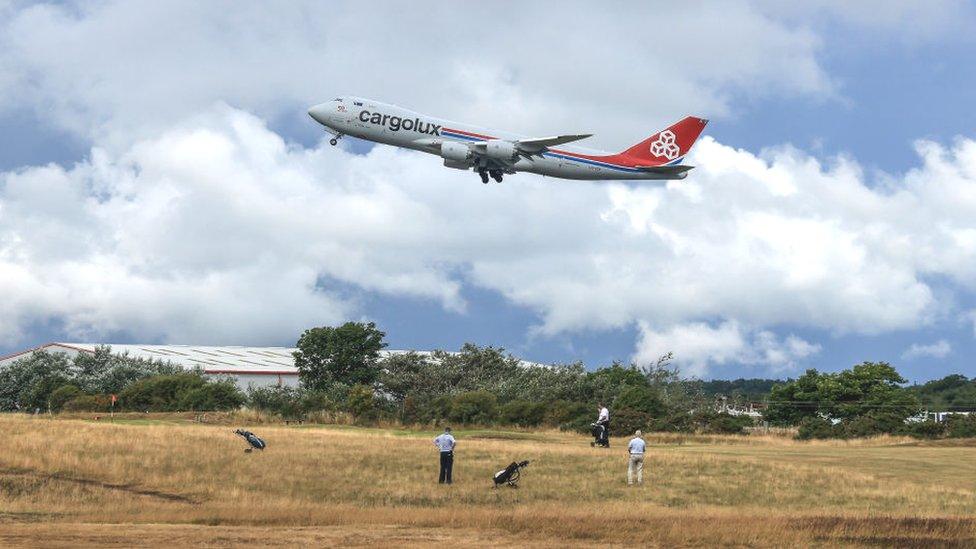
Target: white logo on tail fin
[[665, 146]]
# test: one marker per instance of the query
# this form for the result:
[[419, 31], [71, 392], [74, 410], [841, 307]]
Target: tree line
[[341, 372]]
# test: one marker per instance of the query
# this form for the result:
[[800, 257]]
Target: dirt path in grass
[[128, 488]]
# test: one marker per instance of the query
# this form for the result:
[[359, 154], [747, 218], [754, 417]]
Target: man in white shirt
[[636, 450], [603, 419], [445, 443]]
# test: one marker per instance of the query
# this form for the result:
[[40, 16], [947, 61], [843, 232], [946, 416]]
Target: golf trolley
[[511, 474], [601, 434], [253, 440]]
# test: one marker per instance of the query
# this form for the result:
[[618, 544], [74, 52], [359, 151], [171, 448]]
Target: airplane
[[494, 153]]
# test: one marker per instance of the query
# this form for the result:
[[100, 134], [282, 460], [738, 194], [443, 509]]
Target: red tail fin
[[667, 146]]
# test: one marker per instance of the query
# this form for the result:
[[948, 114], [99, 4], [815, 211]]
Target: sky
[[161, 182]]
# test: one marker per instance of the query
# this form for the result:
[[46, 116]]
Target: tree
[[874, 390], [641, 399], [474, 407], [867, 399], [106, 372], [951, 392], [27, 384], [347, 354], [607, 383], [411, 374], [792, 402], [361, 403]]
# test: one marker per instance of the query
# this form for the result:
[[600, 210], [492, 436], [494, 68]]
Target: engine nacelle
[[502, 150], [459, 164], [455, 152]]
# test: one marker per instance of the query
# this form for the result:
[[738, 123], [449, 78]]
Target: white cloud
[[217, 230], [117, 70], [191, 221], [939, 349], [698, 345]]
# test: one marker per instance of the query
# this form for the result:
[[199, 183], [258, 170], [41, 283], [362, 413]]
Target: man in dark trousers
[[604, 420], [445, 443]]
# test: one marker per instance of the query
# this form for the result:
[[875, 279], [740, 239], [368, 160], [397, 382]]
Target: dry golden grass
[[143, 482]]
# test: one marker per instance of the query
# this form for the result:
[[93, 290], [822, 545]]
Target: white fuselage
[[393, 125]]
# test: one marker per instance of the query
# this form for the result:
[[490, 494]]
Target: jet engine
[[455, 152], [463, 165], [505, 151]]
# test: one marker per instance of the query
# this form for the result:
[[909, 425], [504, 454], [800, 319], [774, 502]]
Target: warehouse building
[[249, 366]]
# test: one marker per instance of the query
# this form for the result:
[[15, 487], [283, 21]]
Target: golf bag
[[601, 434], [252, 439], [511, 474]]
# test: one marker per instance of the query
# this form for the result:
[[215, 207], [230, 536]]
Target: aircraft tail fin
[[669, 146]]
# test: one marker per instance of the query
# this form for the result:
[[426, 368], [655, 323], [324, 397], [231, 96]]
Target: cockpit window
[[339, 99]]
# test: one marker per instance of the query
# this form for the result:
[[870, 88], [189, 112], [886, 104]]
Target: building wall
[[246, 381]]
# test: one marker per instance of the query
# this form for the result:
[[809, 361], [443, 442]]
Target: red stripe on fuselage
[[462, 132], [617, 159]]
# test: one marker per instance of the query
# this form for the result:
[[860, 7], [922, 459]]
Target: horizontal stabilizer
[[668, 170]]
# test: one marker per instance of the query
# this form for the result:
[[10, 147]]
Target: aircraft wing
[[540, 143]]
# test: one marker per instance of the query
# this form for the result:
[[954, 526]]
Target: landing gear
[[485, 173], [335, 140]]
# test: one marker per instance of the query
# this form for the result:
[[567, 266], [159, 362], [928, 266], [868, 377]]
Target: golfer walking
[[636, 451], [603, 423], [445, 443]]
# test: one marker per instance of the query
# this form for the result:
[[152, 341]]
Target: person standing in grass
[[445, 443], [603, 420], [636, 451]]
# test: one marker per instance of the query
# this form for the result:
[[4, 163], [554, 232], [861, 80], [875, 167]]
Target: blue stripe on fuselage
[[593, 162], [447, 133]]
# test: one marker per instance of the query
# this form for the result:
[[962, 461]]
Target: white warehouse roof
[[249, 365]]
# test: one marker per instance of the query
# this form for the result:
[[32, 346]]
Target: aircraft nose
[[319, 113]]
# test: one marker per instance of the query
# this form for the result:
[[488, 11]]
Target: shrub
[[221, 395], [181, 391], [728, 424], [925, 429], [474, 407], [409, 411], [437, 410], [642, 399], [815, 428], [522, 413], [88, 403], [316, 401], [289, 402], [627, 420], [565, 413], [961, 426], [865, 426], [62, 395], [282, 400], [361, 403]]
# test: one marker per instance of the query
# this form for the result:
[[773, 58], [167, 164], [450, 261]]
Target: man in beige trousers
[[636, 451]]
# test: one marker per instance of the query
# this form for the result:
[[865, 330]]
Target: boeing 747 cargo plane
[[493, 153]]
